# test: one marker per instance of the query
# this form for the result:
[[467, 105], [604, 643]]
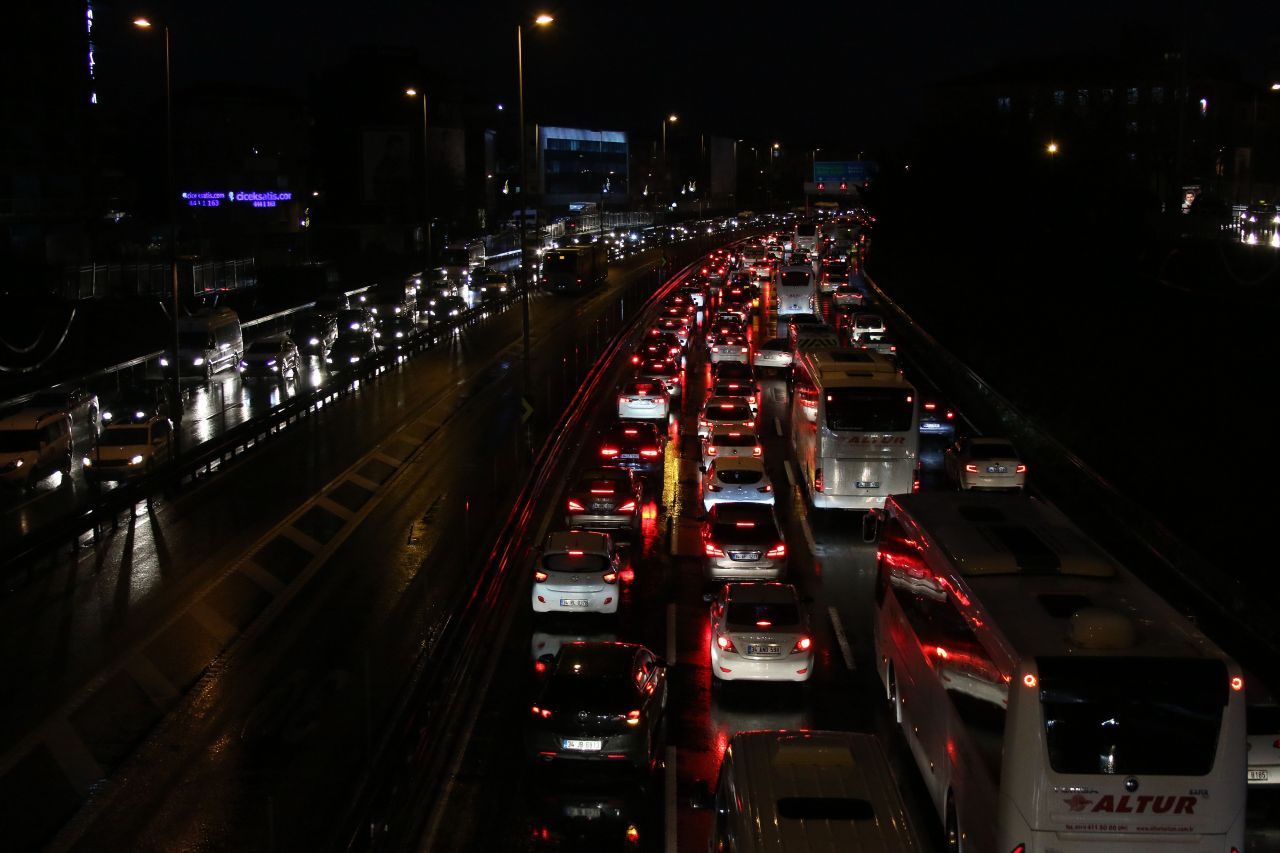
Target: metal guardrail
[[1129, 531]]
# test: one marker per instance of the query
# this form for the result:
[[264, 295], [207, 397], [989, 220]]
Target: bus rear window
[[795, 279], [1157, 716], [869, 409]]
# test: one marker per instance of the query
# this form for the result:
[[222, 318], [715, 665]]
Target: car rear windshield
[[739, 476], [869, 409], [759, 533], [777, 613], [576, 691], [992, 451], [586, 563], [742, 440], [650, 389], [795, 279], [19, 440], [1124, 716]]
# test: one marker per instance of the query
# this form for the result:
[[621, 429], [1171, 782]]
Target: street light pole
[[542, 21], [175, 406], [426, 195]]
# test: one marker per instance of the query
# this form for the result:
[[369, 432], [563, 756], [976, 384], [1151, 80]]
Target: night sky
[[807, 73]]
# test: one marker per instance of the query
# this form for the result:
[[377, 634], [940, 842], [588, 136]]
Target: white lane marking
[[791, 476], [845, 650], [777, 427], [669, 793], [669, 800]]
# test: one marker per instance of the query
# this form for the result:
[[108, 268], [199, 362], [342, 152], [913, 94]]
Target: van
[[34, 443], [208, 342], [808, 791]]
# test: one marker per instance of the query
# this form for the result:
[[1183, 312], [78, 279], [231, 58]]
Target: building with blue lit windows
[[577, 165]]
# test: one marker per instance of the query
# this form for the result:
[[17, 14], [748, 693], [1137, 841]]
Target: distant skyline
[[808, 74]]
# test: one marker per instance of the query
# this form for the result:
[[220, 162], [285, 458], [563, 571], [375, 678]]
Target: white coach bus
[[796, 290], [854, 428], [1052, 702]]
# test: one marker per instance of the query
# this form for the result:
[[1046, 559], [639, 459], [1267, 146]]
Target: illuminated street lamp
[[143, 23], [671, 119], [1052, 148], [426, 196], [541, 21]]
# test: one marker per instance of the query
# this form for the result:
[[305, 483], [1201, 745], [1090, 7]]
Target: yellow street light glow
[[543, 20], [141, 22], [1275, 87], [673, 118], [1052, 148], [777, 145], [412, 93]]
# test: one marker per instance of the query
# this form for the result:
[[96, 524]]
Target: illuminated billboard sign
[[235, 197], [852, 172]]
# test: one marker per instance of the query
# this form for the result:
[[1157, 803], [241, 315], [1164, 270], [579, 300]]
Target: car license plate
[[583, 745], [868, 484], [744, 555], [643, 402], [588, 812], [753, 649], [573, 602], [629, 456], [601, 507], [1258, 775], [997, 469]]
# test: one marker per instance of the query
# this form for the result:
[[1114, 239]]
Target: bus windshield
[[561, 261], [1121, 715], [869, 409], [795, 279]]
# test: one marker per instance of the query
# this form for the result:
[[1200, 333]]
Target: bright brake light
[[712, 450], [544, 713], [574, 506], [1021, 469], [757, 450], [649, 453], [802, 645], [629, 506], [779, 550], [725, 644], [540, 576], [713, 551], [609, 577], [971, 468], [608, 451], [633, 718]]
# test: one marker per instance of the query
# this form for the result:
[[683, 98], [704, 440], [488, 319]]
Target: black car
[[352, 351], [601, 702], [396, 333], [664, 370], [133, 404], [633, 444], [442, 309], [732, 371], [315, 333]]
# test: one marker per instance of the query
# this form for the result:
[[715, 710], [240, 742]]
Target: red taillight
[[544, 713], [540, 576], [574, 506], [629, 506], [766, 488], [802, 645], [633, 718], [539, 666], [608, 451], [950, 415], [1021, 469], [1237, 683], [971, 468], [817, 479], [779, 550], [713, 551], [609, 577], [712, 450], [1022, 848], [717, 349], [635, 359], [725, 644], [929, 407], [757, 450], [649, 453]]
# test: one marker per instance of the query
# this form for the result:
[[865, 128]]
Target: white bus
[[805, 236], [1052, 702], [796, 290], [854, 429]]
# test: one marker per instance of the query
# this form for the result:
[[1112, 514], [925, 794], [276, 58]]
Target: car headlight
[[314, 342], [88, 463], [354, 359], [139, 415], [399, 334], [197, 361], [136, 460], [243, 364], [106, 416], [328, 359], [164, 362]]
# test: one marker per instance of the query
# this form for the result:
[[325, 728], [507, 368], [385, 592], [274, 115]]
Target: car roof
[[29, 418], [620, 429], [988, 441], [720, 463], [590, 655]]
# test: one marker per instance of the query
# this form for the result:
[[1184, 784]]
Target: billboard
[[854, 172]]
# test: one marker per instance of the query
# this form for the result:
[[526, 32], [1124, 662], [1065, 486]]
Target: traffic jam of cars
[[689, 396]]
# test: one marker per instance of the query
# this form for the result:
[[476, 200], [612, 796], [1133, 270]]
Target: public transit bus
[[1052, 702], [796, 290], [854, 428], [805, 236], [574, 269]]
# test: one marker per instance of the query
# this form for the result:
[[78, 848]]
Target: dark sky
[[807, 73]]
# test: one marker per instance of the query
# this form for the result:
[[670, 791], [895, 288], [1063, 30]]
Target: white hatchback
[[736, 479], [726, 442], [642, 400], [727, 411], [759, 632], [577, 572]]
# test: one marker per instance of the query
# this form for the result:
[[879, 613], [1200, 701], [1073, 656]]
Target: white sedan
[[759, 632], [730, 348], [726, 441], [773, 353], [985, 463], [725, 410], [643, 400], [735, 479]]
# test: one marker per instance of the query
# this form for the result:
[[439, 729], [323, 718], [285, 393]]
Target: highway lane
[[81, 616], [500, 801]]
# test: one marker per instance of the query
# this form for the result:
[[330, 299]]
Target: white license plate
[[868, 484], [762, 650], [644, 404], [573, 602], [583, 745], [1258, 775], [997, 469], [744, 555], [588, 812]]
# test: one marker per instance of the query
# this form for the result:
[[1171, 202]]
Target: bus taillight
[[817, 479]]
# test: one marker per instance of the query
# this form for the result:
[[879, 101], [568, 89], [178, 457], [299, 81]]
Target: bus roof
[[846, 367], [1021, 565]]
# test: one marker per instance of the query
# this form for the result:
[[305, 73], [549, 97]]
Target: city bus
[[805, 236], [854, 422], [574, 268], [795, 290], [1051, 701]]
